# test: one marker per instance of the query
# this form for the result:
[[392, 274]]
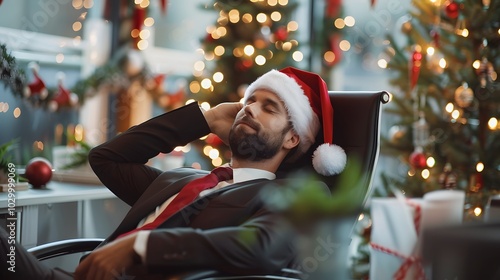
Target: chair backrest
[[356, 129]]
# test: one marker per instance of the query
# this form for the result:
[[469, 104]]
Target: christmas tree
[[248, 39], [446, 104], [448, 101]]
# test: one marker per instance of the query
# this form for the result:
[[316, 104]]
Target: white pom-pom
[[329, 159], [33, 66]]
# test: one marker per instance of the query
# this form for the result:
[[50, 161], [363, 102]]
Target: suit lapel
[[155, 195], [184, 216]]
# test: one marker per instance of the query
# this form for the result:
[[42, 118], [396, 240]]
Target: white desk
[[64, 210]]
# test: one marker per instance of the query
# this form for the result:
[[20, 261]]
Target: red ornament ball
[[418, 160], [281, 34], [452, 9], [38, 172]]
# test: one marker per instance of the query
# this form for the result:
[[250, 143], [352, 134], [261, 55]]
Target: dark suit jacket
[[230, 230]]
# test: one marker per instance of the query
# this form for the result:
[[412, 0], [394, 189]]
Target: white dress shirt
[[239, 175]]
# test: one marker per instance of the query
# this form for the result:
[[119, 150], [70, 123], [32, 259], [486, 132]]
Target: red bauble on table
[[418, 160], [38, 172]]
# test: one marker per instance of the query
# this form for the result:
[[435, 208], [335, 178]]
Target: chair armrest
[[80, 245], [64, 247], [286, 274]]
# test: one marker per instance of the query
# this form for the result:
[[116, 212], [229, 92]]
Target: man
[[228, 228]]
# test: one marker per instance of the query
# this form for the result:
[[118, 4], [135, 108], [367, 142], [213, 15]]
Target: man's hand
[[221, 117], [108, 262]]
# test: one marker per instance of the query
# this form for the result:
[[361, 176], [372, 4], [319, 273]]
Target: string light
[[382, 63], [292, 26], [59, 58], [493, 123], [144, 34], [349, 21], [479, 167], [77, 26], [345, 45], [206, 83], [247, 18], [425, 174], [276, 16], [234, 16], [297, 56], [339, 23], [219, 50], [477, 211], [218, 77], [287, 46], [217, 161], [199, 65], [142, 45], [213, 154], [260, 60], [430, 162], [149, 21], [261, 17], [17, 112], [194, 87], [249, 50], [87, 4], [449, 107]]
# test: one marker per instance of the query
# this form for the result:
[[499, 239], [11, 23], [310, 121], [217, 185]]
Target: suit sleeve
[[120, 163], [262, 245]]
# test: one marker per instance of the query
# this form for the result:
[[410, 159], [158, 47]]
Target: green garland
[[10, 75], [111, 75]]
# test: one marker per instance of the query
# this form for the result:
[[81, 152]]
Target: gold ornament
[[406, 27], [464, 95]]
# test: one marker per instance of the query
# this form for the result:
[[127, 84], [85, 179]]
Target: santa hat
[[306, 99]]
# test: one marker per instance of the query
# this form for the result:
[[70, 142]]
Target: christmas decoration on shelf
[[38, 172], [63, 96], [36, 89]]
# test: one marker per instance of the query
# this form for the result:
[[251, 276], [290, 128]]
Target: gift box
[[396, 239]]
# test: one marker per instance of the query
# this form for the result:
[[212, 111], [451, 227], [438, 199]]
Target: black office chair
[[356, 129]]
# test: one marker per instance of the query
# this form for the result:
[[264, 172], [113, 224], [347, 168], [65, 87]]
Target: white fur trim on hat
[[305, 121], [329, 159]]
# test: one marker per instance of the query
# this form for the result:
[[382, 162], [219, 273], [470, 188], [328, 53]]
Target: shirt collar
[[246, 174]]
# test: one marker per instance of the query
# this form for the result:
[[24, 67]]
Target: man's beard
[[254, 146]]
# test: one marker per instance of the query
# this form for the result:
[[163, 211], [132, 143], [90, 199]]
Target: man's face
[[260, 128]]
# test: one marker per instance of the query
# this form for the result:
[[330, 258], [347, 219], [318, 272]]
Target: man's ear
[[292, 140]]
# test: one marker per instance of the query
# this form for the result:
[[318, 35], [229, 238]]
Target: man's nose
[[251, 110]]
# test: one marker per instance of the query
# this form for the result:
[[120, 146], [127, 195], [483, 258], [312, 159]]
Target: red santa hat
[[306, 99]]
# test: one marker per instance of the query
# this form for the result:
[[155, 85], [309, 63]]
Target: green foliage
[[80, 156], [11, 76], [306, 199], [5, 158]]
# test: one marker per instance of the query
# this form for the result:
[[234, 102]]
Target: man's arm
[[120, 163]]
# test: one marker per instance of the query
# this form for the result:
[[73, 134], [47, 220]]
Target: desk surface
[[56, 192]]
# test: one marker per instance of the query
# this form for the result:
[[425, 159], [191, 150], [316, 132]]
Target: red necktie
[[187, 195]]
